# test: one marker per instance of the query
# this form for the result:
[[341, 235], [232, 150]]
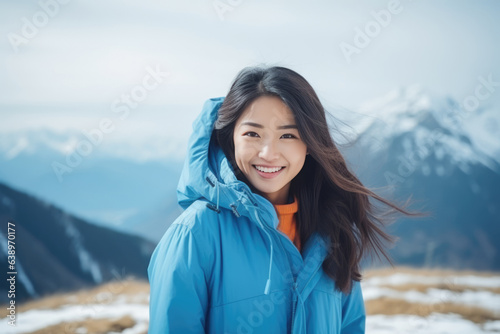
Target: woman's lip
[[269, 166], [269, 175]]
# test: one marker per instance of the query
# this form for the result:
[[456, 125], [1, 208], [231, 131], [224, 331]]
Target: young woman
[[275, 224]]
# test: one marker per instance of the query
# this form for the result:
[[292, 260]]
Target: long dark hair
[[332, 200]]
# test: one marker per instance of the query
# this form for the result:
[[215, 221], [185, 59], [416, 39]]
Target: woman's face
[[268, 148]]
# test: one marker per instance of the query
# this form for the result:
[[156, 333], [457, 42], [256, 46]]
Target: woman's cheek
[[245, 150], [248, 147], [294, 151]]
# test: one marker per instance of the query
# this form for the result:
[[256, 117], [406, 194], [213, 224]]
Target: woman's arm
[[353, 311], [179, 293]]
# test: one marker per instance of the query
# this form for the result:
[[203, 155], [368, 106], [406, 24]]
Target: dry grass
[[381, 272], [391, 306], [450, 287], [90, 326], [127, 290], [133, 291]]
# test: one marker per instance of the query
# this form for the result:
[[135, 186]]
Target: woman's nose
[[269, 151]]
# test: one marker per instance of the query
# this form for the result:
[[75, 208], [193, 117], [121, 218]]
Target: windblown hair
[[332, 201]]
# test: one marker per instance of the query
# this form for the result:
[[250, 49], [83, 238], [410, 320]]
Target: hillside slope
[[56, 251]]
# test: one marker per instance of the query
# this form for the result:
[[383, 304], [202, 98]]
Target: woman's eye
[[251, 134], [288, 136]]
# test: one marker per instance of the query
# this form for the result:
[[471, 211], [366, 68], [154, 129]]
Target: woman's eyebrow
[[260, 126], [256, 125], [291, 126]]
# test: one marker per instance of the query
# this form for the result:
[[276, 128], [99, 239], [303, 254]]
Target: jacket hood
[[207, 174]]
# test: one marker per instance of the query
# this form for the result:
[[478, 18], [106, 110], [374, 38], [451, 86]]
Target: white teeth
[[268, 170]]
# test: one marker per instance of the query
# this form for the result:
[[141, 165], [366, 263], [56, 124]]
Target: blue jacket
[[223, 267]]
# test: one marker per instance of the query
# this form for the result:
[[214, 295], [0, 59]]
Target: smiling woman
[[268, 148], [275, 224]]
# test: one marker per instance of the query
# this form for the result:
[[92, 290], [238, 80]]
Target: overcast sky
[[83, 55]]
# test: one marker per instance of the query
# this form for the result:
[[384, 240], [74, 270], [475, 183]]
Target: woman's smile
[[267, 147], [268, 172]]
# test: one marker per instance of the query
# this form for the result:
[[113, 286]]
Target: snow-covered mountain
[[56, 251], [117, 184], [413, 143], [436, 123]]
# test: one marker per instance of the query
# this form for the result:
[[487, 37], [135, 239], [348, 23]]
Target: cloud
[[92, 52]]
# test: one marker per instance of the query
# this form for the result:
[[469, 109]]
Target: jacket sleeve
[[178, 283], [353, 311]]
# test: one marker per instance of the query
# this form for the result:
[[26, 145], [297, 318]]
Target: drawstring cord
[[268, 283], [217, 187]]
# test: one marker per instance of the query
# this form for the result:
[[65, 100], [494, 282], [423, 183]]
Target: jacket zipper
[[295, 288], [294, 305], [294, 283], [312, 276]]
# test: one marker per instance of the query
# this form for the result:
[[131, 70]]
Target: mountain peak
[[417, 118], [414, 95], [405, 107]]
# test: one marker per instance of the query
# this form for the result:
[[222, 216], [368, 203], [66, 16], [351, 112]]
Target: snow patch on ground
[[433, 324], [467, 280], [484, 299], [33, 320], [136, 306]]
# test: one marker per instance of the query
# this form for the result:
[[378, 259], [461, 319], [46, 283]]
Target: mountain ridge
[[413, 153], [58, 251]]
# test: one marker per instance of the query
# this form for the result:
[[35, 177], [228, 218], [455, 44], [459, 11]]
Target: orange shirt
[[287, 214]]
